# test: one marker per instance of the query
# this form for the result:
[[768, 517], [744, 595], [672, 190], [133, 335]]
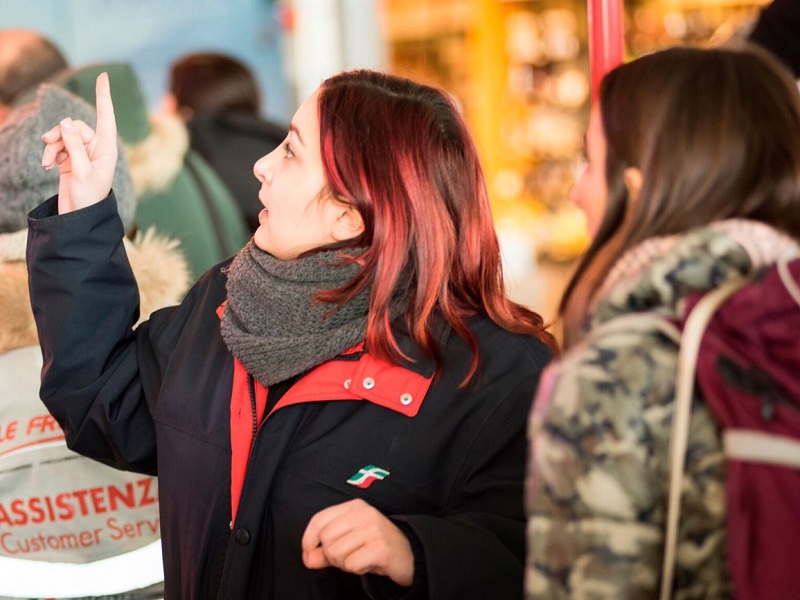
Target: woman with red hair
[[337, 412]]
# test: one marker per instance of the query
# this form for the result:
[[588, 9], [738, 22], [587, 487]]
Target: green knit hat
[[130, 106]]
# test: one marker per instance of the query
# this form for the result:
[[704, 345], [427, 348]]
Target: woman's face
[[299, 214], [590, 192]]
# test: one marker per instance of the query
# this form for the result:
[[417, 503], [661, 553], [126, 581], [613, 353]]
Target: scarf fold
[[273, 322]]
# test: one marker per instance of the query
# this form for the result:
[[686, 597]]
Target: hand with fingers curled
[[85, 158], [356, 537]]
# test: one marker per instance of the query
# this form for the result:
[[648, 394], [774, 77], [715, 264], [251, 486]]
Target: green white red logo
[[368, 475]]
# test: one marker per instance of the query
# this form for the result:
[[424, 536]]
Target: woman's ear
[[633, 181], [169, 104], [348, 224]]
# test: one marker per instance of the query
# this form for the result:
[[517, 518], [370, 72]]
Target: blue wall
[[150, 34]]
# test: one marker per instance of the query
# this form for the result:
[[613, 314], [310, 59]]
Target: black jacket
[[157, 400], [778, 30]]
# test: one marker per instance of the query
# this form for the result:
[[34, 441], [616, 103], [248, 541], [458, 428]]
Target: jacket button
[[368, 383], [347, 384], [242, 537], [406, 399]]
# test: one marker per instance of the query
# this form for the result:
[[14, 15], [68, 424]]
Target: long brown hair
[[716, 135], [400, 152]]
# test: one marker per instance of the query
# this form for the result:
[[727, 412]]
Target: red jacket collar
[[354, 375]]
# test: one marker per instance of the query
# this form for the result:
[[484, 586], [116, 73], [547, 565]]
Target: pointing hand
[[85, 158]]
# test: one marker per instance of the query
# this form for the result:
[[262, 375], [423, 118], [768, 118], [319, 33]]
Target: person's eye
[[287, 151]]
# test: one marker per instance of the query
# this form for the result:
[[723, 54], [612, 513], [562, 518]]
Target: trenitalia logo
[[366, 476]]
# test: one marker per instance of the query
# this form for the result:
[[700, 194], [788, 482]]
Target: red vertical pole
[[605, 38]]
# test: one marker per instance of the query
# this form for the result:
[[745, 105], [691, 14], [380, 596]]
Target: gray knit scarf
[[273, 323]]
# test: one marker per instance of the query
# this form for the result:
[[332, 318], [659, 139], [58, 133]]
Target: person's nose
[[263, 169], [575, 194]]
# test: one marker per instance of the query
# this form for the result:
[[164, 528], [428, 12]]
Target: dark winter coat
[[157, 400], [777, 30]]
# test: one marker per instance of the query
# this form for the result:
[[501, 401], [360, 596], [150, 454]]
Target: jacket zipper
[[251, 386]]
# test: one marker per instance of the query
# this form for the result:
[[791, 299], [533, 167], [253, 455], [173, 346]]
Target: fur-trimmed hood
[[155, 161], [157, 262]]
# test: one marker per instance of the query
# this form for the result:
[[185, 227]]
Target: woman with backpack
[[337, 413], [692, 182]]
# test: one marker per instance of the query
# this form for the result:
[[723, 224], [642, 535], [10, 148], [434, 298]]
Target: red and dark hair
[[400, 152]]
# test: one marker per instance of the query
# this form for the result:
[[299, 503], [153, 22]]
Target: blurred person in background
[[220, 100], [338, 412], [26, 60], [692, 182], [64, 516], [778, 30], [178, 192]]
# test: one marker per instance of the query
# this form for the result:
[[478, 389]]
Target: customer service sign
[[57, 506]]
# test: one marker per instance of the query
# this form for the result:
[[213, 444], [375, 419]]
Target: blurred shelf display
[[545, 110], [655, 24], [519, 69]]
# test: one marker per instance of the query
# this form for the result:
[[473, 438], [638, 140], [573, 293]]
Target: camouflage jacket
[[599, 430]]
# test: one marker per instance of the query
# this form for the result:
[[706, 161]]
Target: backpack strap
[[788, 281], [754, 446], [644, 322], [679, 435]]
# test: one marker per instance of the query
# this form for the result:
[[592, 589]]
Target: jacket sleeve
[[475, 549], [596, 472], [85, 302]]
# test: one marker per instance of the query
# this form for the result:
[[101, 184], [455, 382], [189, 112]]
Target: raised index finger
[[106, 123]]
